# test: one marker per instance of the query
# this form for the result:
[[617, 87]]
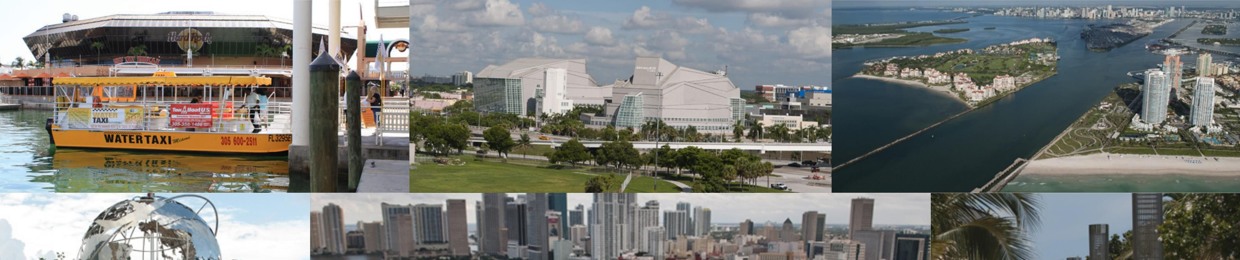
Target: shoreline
[[1139, 164], [940, 89]]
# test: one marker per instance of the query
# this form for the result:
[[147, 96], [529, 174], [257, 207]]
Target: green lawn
[[649, 185], [515, 176]]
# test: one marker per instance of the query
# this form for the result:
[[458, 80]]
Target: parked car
[[809, 163], [779, 186], [798, 165]]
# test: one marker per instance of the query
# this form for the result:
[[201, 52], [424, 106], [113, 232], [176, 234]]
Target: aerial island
[[975, 77], [1109, 36], [891, 34]]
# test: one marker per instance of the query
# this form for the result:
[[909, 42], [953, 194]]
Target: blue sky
[[252, 226], [1066, 218]]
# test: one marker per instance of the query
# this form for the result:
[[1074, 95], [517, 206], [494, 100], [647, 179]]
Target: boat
[[112, 113]]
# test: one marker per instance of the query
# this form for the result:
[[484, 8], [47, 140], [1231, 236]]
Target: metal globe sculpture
[[153, 227]]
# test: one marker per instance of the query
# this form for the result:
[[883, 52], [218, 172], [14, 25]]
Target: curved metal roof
[[178, 20]]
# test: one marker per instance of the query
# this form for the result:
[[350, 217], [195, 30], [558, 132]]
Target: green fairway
[[515, 176]]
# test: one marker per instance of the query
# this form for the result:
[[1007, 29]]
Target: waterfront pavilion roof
[[168, 81]]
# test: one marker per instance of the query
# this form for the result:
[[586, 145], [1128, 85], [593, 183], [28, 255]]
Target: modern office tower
[[458, 229], [912, 247], [1155, 95], [1203, 102], [493, 241], [812, 226], [746, 227], [677, 222], [861, 217], [515, 219], [846, 250], [701, 221], [559, 203], [688, 209], [1174, 69], [647, 216], [579, 234], [1099, 242], [374, 236], [536, 235], [333, 229], [1147, 214], [611, 228], [316, 230], [554, 234], [398, 228], [577, 216], [428, 224], [355, 241], [655, 246], [1205, 65], [879, 244], [788, 233]]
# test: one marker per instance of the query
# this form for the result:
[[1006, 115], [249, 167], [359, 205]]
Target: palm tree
[[524, 142], [982, 226], [19, 62], [98, 46]]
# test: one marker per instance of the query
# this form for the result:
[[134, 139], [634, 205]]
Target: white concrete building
[[679, 96], [1155, 97], [1202, 113], [555, 83]]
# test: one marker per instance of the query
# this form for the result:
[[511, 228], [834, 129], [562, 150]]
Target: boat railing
[[5, 99], [227, 117], [393, 117]]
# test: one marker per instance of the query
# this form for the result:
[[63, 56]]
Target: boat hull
[[173, 141]]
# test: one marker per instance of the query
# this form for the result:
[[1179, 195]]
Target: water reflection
[[28, 163], [112, 171]]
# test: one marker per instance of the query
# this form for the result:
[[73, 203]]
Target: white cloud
[[600, 36], [770, 20], [813, 42], [789, 8], [643, 17], [466, 5], [499, 13], [557, 24], [540, 9], [432, 23], [50, 223], [10, 247]]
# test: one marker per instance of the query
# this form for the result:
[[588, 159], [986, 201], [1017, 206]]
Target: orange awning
[[21, 75], [63, 74], [5, 76], [43, 75]]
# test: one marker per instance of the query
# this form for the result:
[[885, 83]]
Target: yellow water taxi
[[146, 113]]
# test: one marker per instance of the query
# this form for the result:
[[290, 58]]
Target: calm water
[[28, 163], [968, 151]]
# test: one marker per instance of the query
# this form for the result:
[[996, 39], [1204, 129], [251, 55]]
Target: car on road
[[798, 165], [779, 186], [809, 163]]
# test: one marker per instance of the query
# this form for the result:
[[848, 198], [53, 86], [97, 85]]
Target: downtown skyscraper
[[861, 217], [1147, 214], [492, 235], [611, 230], [457, 228], [333, 229], [701, 221]]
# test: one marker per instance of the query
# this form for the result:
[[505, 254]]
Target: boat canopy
[[168, 81]]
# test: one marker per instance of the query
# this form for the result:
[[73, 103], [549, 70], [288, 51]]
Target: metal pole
[[353, 123], [324, 84]]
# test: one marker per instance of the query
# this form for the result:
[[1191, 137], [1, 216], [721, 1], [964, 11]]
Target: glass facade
[[497, 95], [631, 113]]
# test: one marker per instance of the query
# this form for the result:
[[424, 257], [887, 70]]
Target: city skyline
[[890, 209], [1066, 219], [248, 228]]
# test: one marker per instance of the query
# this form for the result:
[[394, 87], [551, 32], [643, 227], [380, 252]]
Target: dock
[[388, 176]]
